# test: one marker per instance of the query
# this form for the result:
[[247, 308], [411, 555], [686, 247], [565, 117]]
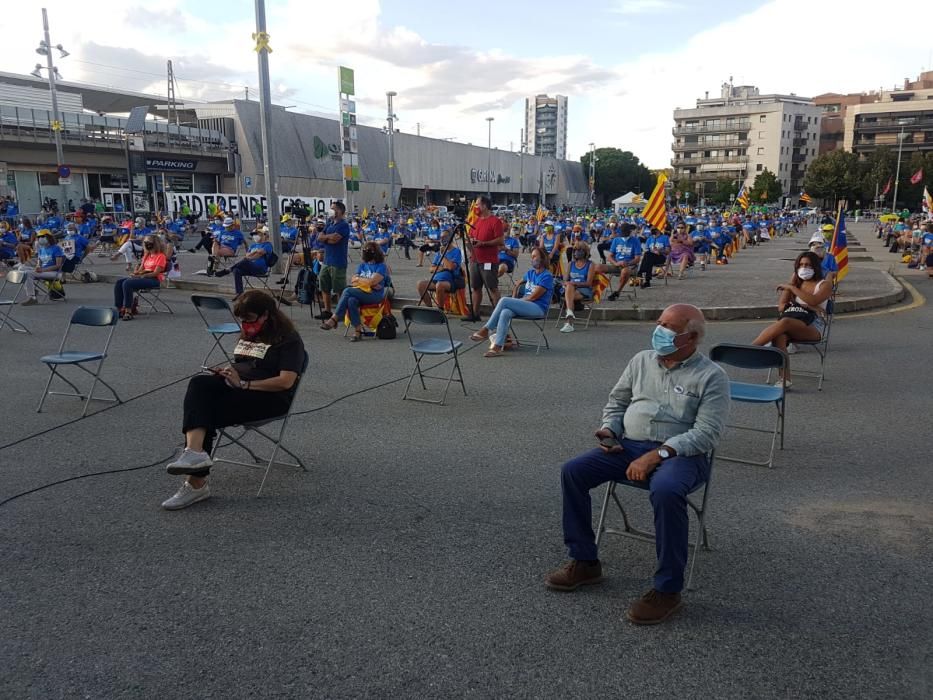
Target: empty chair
[[14, 278], [755, 357], [221, 324], [92, 316], [431, 347]]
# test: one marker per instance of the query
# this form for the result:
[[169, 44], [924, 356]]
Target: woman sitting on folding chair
[[255, 264], [578, 283], [148, 275], [539, 286], [50, 260], [368, 286], [259, 385], [27, 242], [802, 307]]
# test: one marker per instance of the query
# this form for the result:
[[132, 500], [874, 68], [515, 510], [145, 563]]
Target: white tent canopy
[[627, 200]]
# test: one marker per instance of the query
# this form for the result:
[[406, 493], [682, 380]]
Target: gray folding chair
[[93, 316], [262, 281], [754, 357], [217, 328], [539, 322], [256, 428], [14, 278], [821, 346], [153, 299], [431, 347], [699, 510]]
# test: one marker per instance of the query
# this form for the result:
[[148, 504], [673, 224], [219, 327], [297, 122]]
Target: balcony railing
[[712, 128], [800, 141], [92, 131], [681, 162], [727, 143], [798, 158]]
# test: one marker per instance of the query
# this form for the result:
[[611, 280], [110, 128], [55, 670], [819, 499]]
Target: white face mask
[[805, 273], [257, 238]]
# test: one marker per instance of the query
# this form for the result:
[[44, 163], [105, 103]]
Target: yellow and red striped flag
[[839, 248], [656, 209], [742, 197]]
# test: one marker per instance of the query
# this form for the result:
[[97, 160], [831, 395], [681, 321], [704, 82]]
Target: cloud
[[168, 18], [644, 7]]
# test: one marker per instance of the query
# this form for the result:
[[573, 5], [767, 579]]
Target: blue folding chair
[[218, 329], [15, 278], [755, 357], [434, 347], [93, 316], [699, 510], [255, 428]]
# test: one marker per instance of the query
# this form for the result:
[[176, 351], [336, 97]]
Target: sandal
[[357, 337], [127, 316], [478, 337], [327, 326], [492, 352]]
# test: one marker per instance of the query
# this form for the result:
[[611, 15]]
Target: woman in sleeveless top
[[578, 282], [801, 306]]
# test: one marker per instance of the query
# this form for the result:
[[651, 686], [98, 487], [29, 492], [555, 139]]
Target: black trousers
[[211, 404], [648, 262], [601, 248], [207, 240]]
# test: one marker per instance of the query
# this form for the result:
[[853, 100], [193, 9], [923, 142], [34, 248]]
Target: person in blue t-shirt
[[256, 263], [926, 249], [367, 287], [431, 243], [538, 284], [336, 240], [702, 240], [578, 283], [829, 265], [226, 243], [53, 222], [75, 247], [133, 246], [289, 233], [446, 275], [51, 258], [8, 242], [508, 254], [624, 257], [657, 251]]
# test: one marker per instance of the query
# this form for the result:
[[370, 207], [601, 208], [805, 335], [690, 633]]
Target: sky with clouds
[[624, 64]]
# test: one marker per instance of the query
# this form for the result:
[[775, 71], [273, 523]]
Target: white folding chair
[[13, 278], [92, 316], [256, 428], [699, 510], [431, 347]]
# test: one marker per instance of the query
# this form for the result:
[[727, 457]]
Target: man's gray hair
[[698, 326]]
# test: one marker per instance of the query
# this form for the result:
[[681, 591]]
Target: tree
[[909, 195], [835, 175], [877, 169], [766, 188], [618, 172], [725, 192]]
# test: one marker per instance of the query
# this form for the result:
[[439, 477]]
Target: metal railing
[[702, 145], [711, 128], [681, 162]]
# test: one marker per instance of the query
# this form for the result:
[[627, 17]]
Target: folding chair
[[153, 298], [370, 315], [421, 315], [218, 330], [821, 346], [17, 278], [600, 284], [255, 427], [699, 510], [539, 322], [93, 316], [756, 357], [271, 260]]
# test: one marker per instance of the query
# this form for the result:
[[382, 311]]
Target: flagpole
[[832, 246]]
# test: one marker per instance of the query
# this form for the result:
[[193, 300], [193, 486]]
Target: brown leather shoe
[[654, 607], [574, 574]]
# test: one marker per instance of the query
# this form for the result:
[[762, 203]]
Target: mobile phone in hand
[[212, 370], [608, 442]]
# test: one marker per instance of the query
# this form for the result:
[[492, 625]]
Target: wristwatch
[[243, 383], [665, 453]]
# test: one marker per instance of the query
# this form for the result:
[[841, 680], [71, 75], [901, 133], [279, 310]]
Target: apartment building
[[546, 126], [740, 134], [907, 110]]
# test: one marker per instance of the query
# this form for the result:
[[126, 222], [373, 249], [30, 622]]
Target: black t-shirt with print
[[256, 360]]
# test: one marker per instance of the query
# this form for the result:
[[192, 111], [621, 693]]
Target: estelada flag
[[887, 188], [916, 177], [839, 248], [541, 214], [656, 210], [805, 198], [927, 201], [742, 197]]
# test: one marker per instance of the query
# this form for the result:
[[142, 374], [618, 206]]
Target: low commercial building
[[214, 153]]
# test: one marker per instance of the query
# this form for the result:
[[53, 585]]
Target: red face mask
[[252, 328]]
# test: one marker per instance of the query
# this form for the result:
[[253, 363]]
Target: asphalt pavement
[[408, 562]]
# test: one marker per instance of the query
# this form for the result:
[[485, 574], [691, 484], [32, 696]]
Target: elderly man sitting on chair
[[665, 414]]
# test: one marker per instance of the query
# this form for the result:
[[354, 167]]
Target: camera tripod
[[307, 266], [460, 231]]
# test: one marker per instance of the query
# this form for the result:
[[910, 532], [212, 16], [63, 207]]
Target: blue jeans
[[124, 290], [507, 309], [350, 301], [668, 487], [244, 268]]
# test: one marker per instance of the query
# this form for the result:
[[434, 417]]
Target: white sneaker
[[569, 314], [189, 462], [567, 328], [780, 383], [703, 266], [791, 349], [186, 496]]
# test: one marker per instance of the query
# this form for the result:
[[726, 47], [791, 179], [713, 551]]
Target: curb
[[896, 295]]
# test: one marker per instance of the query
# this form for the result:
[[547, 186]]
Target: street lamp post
[[542, 191], [521, 166], [265, 129], [45, 49], [390, 118], [592, 174], [489, 120], [897, 176]]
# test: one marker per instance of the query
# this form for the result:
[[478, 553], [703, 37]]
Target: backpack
[[386, 328], [306, 286]]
